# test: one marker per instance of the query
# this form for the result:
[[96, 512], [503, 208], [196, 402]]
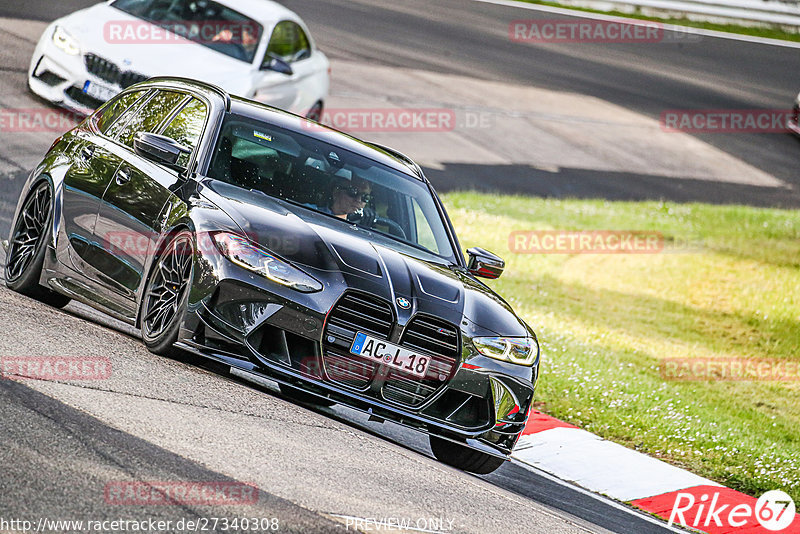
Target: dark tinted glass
[[187, 126], [105, 117], [289, 42], [151, 115], [327, 179], [203, 21]]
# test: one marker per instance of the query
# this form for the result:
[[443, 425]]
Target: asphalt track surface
[[159, 419]]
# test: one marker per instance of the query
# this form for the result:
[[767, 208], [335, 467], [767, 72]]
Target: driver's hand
[[365, 217]]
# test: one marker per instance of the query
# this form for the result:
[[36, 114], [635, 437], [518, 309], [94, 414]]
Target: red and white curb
[[607, 468]]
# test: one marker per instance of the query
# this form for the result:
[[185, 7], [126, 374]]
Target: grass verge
[[606, 321], [755, 31]]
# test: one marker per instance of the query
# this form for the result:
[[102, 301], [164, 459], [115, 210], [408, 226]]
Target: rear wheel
[[301, 396], [28, 246], [464, 458], [167, 292]]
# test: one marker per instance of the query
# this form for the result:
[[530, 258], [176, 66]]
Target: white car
[[257, 49], [793, 124]]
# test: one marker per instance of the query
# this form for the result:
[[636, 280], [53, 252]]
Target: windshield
[[203, 21], [329, 180]]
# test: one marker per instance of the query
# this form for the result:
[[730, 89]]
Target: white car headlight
[[519, 350], [66, 42], [248, 255]]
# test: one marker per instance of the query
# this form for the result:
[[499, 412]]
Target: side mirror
[[277, 64], [485, 264], [160, 149]]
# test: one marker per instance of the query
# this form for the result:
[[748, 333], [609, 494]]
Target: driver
[[244, 38], [348, 198]]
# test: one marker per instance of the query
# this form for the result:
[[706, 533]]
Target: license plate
[[391, 355], [98, 91]]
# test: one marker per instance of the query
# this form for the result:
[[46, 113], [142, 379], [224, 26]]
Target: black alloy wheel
[[28, 245], [167, 293]]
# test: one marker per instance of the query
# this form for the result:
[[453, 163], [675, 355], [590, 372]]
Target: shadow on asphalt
[[589, 184]]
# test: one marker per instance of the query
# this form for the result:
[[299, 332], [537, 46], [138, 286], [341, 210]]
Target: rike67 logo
[[774, 511]]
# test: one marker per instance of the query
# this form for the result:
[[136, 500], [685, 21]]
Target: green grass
[[606, 321], [756, 31]]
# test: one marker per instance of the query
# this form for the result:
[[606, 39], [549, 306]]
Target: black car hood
[[329, 249]]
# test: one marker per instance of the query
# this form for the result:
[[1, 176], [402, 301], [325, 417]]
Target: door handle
[[123, 176], [87, 152]]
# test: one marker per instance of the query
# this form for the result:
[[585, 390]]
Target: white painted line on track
[[616, 471], [669, 27], [602, 498]]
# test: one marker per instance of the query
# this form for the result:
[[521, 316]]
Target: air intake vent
[[102, 68], [109, 72], [355, 312], [130, 78], [405, 389], [361, 313], [436, 338], [433, 336]]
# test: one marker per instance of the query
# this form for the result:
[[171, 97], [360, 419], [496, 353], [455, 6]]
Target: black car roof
[[284, 119]]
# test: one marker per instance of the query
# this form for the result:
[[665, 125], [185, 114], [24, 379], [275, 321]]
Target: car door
[[88, 177], [131, 212], [290, 43]]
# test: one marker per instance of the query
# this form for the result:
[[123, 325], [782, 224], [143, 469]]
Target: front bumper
[[61, 78], [264, 331]]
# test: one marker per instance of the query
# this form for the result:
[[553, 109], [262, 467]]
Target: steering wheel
[[394, 228]]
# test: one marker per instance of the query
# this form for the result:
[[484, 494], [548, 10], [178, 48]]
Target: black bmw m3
[[286, 250]]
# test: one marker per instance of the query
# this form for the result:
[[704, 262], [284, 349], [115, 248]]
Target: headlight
[[519, 350], [245, 254], [66, 42]]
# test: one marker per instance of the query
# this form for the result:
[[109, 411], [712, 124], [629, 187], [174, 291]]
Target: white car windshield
[[203, 21], [328, 179]]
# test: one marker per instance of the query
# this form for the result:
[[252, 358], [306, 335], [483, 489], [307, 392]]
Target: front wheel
[[164, 301], [464, 458], [28, 246]]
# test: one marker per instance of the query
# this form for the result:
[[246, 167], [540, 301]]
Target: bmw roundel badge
[[403, 303]]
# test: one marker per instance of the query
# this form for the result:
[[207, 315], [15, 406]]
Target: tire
[[315, 113], [164, 301], [28, 246], [303, 397], [464, 458]]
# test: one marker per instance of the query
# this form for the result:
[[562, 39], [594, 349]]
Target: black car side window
[[150, 117], [289, 42], [109, 114], [187, 127]]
